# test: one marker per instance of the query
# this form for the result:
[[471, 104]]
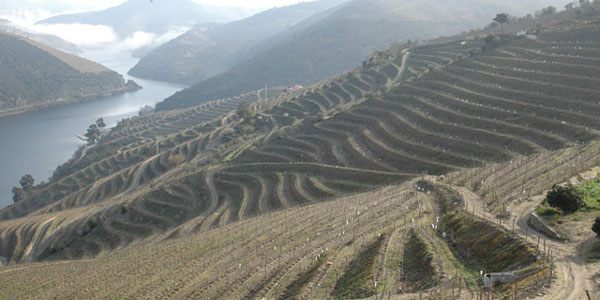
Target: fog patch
[[82, 35], [96, 37]]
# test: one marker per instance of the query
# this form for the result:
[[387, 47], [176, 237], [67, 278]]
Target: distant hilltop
[[35, 76]]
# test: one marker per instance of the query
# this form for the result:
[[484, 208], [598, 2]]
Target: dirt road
[[573, 275]]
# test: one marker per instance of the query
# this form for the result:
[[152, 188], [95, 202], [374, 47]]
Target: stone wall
[[538, 224]]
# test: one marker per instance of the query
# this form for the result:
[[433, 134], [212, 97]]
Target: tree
[[18, 194], [100, 123], [27, 182], [501, 19], [566, 198], [93, 133], [596, 227]]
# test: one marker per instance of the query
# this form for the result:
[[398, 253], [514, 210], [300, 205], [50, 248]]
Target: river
[[36, 143]]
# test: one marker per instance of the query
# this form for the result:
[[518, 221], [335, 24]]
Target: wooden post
[[516, 289], [588, 294], [545, 249]]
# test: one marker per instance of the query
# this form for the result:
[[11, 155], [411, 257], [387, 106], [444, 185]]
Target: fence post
[[545, 257]]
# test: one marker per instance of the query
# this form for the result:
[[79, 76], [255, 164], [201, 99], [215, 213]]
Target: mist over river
[[36, 143]]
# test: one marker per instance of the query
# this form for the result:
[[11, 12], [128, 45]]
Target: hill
[[208, 50], [34, 76], [314, 193], [364, 237], [46, 39], [152, 16], [329, 44]]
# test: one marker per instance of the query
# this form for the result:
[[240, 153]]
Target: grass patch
[[590, 191], [547, 211]]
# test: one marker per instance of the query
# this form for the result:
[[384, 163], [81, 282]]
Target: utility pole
[[156, 147], [266, 92]]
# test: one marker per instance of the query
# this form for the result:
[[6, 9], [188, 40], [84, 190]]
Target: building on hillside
[[294, 88], [490, 279]]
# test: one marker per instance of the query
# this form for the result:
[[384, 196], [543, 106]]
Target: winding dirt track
[[572, 272]]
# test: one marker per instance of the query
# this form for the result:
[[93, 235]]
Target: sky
[[45, 8], [26, 13]]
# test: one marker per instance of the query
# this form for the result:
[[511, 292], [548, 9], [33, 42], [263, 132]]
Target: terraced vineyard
[[301, 252], [432, 110]]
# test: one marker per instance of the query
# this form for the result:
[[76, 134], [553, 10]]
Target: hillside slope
[[152, 16], [34, 76], [208, 50], [335, 43], [430, 109]]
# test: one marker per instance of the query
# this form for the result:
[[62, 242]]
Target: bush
[[565, 198], [596, 227], [547, 211]]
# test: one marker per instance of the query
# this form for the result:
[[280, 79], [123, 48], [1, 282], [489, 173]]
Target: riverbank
[[130, 86]]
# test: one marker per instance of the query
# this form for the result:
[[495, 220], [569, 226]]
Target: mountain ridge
[[334, 44], [212, 49]]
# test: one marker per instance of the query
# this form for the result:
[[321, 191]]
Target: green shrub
[[547, 211], [566, 198], [590, 192]]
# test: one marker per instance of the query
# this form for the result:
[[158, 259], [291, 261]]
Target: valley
[[410, 176]]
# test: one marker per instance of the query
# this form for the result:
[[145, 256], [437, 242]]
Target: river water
[[36, 143]]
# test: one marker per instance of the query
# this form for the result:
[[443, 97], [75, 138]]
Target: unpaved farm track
[[573, 275]]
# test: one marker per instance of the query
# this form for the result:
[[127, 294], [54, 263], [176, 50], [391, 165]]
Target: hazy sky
[[59, 6], [27, 12]]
